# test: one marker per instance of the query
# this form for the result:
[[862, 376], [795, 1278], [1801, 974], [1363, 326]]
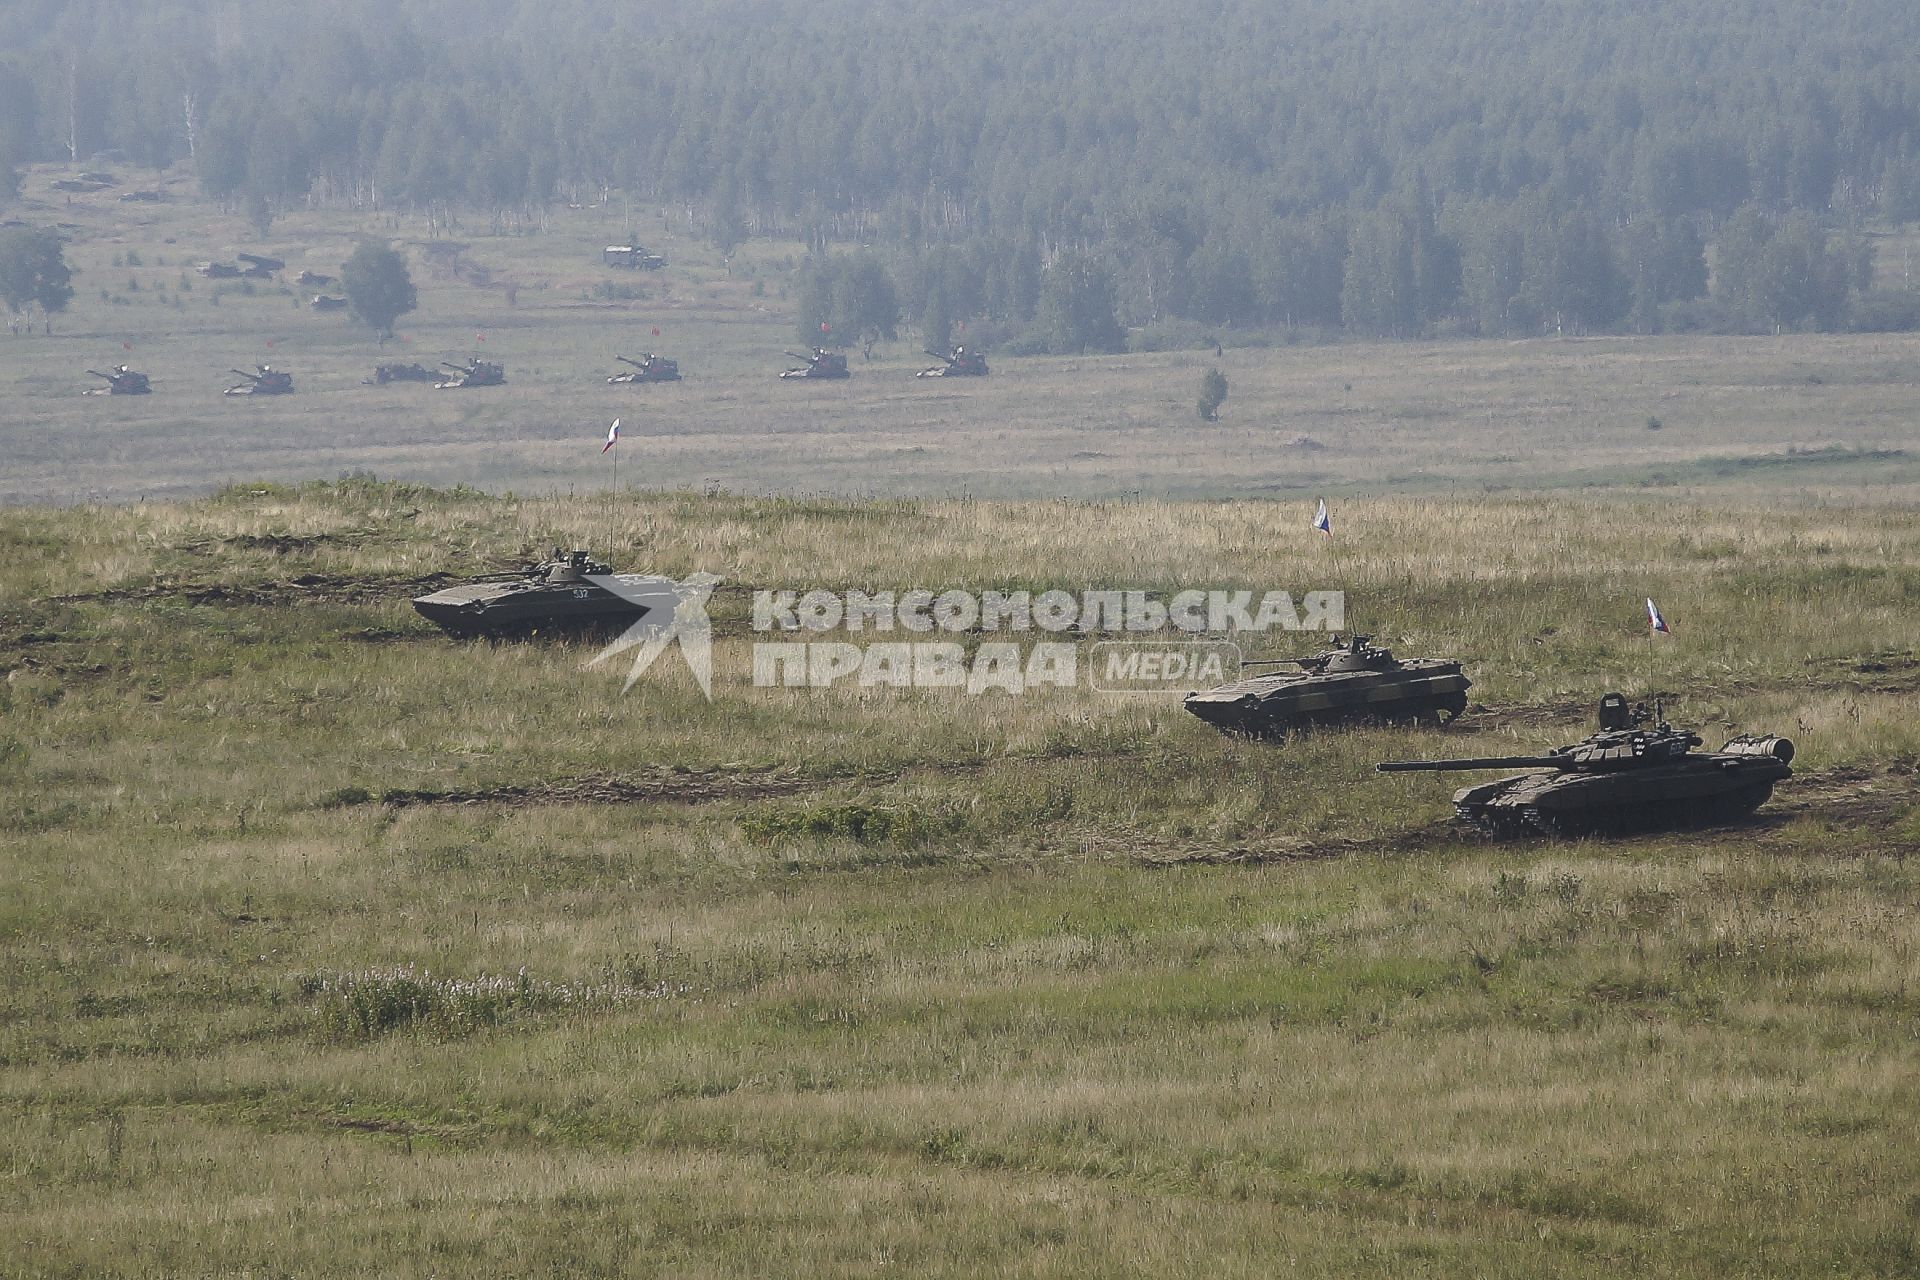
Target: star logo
[[671, 611]]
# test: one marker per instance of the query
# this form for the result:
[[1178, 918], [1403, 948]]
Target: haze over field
[[336, 944]]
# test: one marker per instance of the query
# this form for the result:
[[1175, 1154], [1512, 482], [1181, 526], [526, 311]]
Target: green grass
[[1062, 985]]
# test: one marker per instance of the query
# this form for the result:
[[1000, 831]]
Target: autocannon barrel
[[1487, 762]]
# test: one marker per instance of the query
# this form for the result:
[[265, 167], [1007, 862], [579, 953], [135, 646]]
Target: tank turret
[[1636, 773]]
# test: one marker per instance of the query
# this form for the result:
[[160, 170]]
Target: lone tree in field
[[33, 271], [378, 288], [1213, 393]]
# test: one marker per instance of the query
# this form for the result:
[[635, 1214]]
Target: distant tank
[[269, 381], [648, 368], [959, 363], [260, 268], [1351, 682], [555, 597], [474, 373], [218, 270], [313, 279], [121, 382], [327, 302], [1625, 778], [821, 364], [635, 256], [385, 373]]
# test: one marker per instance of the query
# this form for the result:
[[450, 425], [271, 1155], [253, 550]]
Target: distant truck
[[631, 256]]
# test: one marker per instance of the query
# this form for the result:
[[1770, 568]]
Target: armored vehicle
[[327, 302], [821, 364], [258, 267], [960, 363], [269, 381], [648, 368], [218, 270], [565, 595], [1351, 682], [312, 279], [385, 373], [631, 255], [121, 382], [474, 373], [1637, 773]]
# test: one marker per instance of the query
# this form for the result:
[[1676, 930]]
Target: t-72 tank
[[648, 368], [555, 597], [1627, 777], [121, 382], [474, 373], [1351, 682], [821, 364], [960, 363], [269, 381]]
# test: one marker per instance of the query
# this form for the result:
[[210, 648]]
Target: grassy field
[[1820, 414], [332, 946]]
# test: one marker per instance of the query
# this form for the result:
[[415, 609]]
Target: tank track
[[1506, 823]]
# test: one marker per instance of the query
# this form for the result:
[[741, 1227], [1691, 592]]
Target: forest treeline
[[1382, 167]]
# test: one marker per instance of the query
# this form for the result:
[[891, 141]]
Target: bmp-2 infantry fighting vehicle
[[121, 382], [269, 381], [554, 597], [1348, 683], [648, 368], [474, 373], [821, 364], [385, 373], [960, 363], [1626, 777]]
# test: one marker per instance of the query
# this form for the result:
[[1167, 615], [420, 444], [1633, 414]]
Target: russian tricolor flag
[[1654, 619], [613, 435], [1322, 520]]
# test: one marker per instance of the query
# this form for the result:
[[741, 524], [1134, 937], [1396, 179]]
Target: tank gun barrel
[[1487, 762], [796, 356], [96, 373], [243, 373], [635, 363]]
